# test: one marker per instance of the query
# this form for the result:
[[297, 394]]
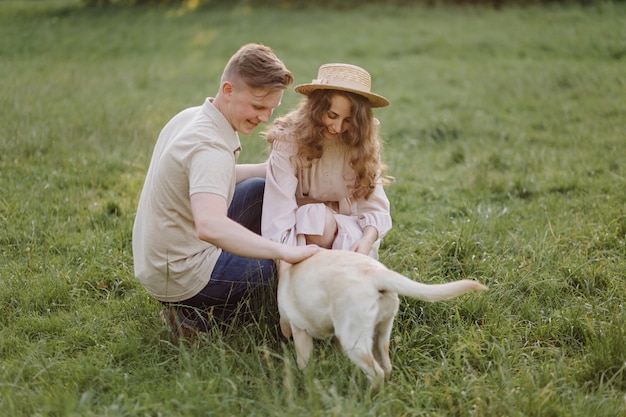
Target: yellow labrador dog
[[354, 298]]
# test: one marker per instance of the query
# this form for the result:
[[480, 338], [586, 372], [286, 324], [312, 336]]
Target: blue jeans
[[237, 283]]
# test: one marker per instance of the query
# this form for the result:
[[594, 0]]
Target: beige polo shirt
[[195, 152]]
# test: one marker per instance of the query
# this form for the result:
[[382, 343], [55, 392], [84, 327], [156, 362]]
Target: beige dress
[[296, 196]]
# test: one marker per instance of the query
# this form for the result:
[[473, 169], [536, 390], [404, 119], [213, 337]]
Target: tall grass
[[505, 136]]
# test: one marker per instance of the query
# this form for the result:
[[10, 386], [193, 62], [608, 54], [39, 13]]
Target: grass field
[[507, 139]]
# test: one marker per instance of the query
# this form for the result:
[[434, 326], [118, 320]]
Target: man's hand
[[295, 254]]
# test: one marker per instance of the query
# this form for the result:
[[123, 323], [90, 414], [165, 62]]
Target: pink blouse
[[296, 196]]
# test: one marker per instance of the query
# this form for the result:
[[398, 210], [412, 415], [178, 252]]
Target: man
[[196, 239]]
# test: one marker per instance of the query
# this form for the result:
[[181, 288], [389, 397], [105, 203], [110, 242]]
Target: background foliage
[[339, 4]]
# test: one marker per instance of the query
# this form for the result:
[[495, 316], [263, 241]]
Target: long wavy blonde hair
[[361, 137]]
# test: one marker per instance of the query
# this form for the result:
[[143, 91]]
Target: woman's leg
[[330, 231]]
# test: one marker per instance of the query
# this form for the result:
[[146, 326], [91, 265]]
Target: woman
[[324, 182]]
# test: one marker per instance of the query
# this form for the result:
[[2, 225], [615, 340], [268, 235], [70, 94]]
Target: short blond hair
[[259, 67]]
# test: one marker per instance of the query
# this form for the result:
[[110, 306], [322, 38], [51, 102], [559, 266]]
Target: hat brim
[[374, 99]]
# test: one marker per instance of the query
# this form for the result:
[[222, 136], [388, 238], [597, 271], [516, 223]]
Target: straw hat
[[344, 77]]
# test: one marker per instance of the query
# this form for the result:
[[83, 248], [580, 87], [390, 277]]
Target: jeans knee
[[254, 185]]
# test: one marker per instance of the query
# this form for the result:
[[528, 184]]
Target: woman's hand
[[364, 245]]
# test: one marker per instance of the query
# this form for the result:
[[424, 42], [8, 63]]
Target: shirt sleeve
[[211, 171], [278, 222]]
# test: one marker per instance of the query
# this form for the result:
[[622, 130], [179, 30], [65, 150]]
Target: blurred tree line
[[341, 4]]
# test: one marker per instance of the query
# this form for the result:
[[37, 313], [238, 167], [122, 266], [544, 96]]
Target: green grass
[[506, 136]]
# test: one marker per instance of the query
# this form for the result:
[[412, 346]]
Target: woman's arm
[[374, 218], [279, 202]]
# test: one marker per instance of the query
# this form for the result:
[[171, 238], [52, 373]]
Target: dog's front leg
[[304, 345], [283, 276]]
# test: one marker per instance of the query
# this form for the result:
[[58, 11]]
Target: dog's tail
[[402, 285]]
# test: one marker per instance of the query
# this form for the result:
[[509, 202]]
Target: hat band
[[344, 84]]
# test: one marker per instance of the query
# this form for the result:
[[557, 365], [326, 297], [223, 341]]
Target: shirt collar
[[230, 137]]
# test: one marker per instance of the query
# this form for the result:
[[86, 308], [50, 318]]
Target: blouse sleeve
[[375, 211], [279, 202]]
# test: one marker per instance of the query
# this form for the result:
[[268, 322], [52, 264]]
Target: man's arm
[[246, 171], [214, 226]]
